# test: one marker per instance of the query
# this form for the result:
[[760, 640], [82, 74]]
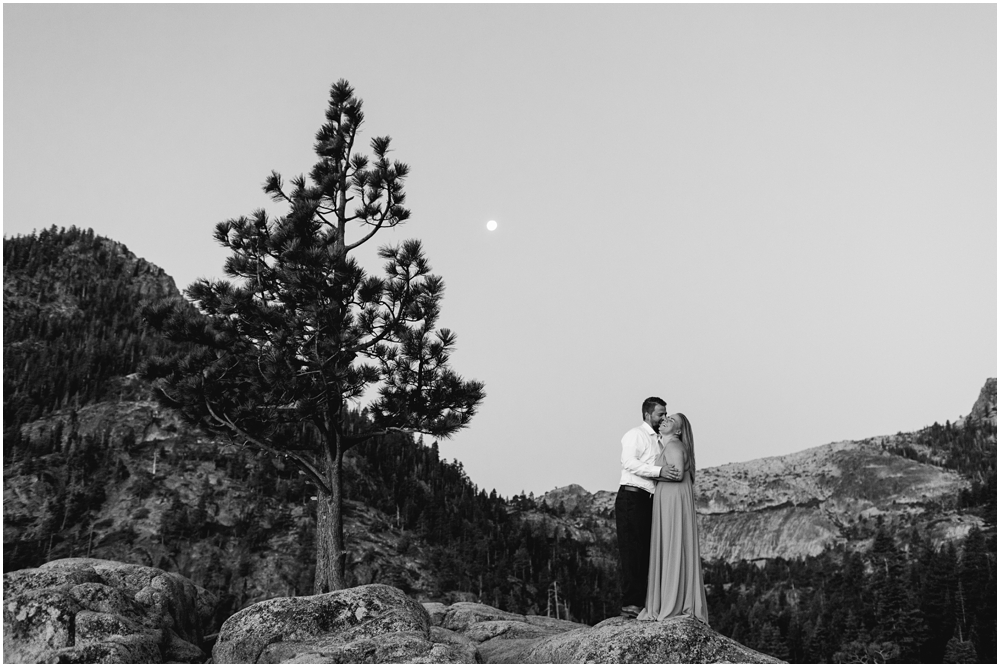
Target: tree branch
[[379, 224], [368, 236], [306, 467], [361, 347]]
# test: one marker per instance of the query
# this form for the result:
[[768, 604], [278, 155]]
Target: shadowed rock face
[[127, 526], [89, 610]]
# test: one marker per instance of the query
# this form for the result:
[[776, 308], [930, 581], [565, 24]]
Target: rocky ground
[[89, 610]]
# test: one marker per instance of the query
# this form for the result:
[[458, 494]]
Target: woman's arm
[[674, 455]]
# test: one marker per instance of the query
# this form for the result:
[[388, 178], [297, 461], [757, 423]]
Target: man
[[634, 504]]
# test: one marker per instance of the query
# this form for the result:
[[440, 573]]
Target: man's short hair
[[650, 404]]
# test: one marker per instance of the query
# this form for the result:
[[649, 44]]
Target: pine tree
[[303, 330], [898, 622], [959, 652], [977, 578], [937, 601]]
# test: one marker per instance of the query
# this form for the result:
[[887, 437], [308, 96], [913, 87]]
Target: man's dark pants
[[634, 516]]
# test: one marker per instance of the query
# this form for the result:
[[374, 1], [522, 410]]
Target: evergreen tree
[[897, 622], [937, 600], [958, 652], [978, 602], [304, 330]]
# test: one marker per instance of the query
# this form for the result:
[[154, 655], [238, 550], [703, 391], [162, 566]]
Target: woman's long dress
[[675, 585]]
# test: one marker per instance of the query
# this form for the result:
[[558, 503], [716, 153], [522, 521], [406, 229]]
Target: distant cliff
[[985, 409], [803, 503]]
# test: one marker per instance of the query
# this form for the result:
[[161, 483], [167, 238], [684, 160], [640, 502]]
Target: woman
[[675, 585]]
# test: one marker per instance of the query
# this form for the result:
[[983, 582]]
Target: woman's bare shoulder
[[674, 445], [675, 450]]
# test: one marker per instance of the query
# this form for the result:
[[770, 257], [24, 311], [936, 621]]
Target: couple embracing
[[657, 525]]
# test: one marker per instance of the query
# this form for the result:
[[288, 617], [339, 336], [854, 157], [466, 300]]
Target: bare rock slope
[[985, 408], [803, 503], [790, 506]]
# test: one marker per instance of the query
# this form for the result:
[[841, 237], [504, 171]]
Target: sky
[[781, 219]]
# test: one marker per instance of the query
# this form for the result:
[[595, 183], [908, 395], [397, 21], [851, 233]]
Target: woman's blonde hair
[[687, 437]]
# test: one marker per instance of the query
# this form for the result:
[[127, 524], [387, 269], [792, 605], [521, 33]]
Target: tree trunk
[[331, 557]]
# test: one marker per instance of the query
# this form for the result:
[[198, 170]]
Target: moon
[[491, 225]]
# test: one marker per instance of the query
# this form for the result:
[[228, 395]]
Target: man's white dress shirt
[[640, 447]]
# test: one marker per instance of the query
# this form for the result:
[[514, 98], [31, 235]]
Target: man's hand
[[669, 473]]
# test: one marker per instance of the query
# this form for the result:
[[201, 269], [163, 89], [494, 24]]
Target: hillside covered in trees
[[70, 320], [94, 466]]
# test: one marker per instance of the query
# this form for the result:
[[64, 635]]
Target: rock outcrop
[[985, 408], [381, 624], [503, 637], [620, 640], [366, 624], [498, 636], [87, 610]]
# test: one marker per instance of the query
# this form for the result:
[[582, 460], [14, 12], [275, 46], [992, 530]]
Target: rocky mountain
[[985, 409], [804, 503], [71, 323]]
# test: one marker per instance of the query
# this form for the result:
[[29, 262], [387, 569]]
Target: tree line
[[71, 321], [970, 450], [901, 600]]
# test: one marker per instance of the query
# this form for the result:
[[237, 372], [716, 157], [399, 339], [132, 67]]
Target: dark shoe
[[631, 611]]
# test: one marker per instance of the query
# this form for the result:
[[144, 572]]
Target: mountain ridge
[[802, 503]]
